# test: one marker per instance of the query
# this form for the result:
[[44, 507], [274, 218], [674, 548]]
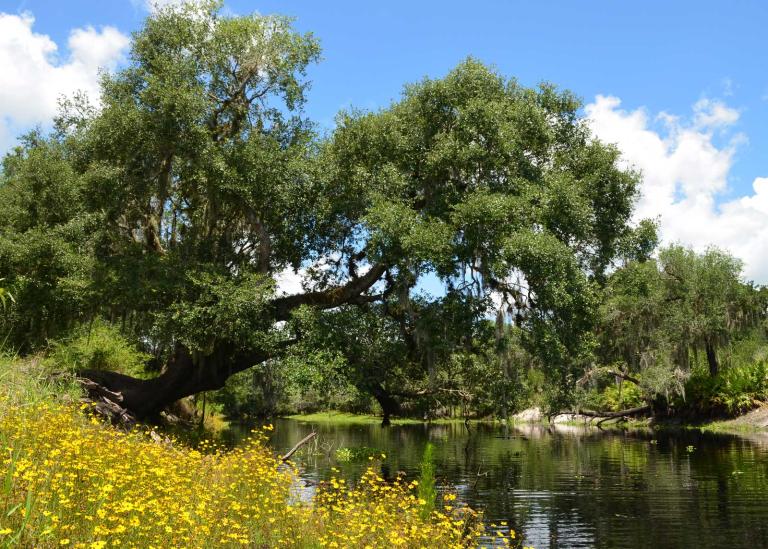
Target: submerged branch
[[610, 415], [301, 443]]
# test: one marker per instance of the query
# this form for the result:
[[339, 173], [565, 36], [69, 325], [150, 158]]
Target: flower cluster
[[66, 481]]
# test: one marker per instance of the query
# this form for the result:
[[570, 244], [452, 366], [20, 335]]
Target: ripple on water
[[575, 487]]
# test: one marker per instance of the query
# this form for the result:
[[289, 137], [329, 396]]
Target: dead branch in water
[[301, 443], [605, 416]]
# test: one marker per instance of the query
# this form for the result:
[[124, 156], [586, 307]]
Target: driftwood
[[105, 403], [301, 443], [605, 416]]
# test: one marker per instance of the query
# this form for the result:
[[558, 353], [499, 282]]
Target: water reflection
[[570, 486]]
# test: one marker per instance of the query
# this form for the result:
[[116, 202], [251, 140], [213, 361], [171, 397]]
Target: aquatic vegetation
[[356, 453], [426, 489], [68, 480]]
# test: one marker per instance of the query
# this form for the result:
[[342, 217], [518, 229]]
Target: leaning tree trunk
[[186, 375], [183, 375], [389, 406], [714, 367]]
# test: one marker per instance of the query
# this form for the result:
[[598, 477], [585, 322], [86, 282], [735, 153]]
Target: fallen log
[[609, 415], [605, 416], [301, 443]]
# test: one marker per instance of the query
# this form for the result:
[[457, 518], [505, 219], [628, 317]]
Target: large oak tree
[[175, 204]]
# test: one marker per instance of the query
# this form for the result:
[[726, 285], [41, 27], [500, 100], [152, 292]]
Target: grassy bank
[[364, 419], [755, 421], [68, 480], [347, 418]]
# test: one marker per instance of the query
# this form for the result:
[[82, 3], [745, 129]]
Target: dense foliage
[[681, 315], [467, 249], [174, 207]]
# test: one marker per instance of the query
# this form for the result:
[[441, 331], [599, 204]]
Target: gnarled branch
[[333, 297]]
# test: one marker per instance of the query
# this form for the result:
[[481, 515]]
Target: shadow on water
[[570, 486]]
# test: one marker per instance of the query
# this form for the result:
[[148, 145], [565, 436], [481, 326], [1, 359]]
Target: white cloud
[[713, 114], [290, 282], [33, 76], [685, 173]]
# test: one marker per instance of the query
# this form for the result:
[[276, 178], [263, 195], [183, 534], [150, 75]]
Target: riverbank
[[366, 419], [70, 480], [580, 484], [755, 421]]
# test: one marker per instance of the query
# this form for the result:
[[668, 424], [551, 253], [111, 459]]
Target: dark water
[[574, 487]]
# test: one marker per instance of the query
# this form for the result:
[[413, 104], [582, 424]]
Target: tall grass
[[68, 480], [427, 493], [30, 381]]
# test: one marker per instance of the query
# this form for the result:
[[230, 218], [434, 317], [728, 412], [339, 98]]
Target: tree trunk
[[714, 367], [389, 406], [184, 375]]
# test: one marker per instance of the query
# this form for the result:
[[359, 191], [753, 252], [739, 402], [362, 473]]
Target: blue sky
[[691, 79]]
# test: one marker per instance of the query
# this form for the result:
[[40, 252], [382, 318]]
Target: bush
[[733, 391], [613, 399], [97, 346]]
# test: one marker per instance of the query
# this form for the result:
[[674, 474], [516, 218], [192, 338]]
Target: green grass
[[363, 419], [743, 424], [29, 381], [729, 427], [344, 417]]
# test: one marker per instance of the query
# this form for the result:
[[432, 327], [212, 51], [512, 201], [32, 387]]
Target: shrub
[[97, 346], [612, 398], [734, 390]]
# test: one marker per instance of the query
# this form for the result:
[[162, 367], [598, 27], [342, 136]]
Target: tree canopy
[[174, 205], [657, 315]]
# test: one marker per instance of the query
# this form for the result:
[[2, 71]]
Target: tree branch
[[625, 377], [333, 297], [611, 415], [301, 443]]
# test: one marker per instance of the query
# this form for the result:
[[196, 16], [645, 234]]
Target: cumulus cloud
[[290, 282], [685, 175], [33, 75], [713, 114]]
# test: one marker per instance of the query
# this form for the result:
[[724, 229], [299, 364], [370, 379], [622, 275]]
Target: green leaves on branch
[[218, 307], [176, 206]]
